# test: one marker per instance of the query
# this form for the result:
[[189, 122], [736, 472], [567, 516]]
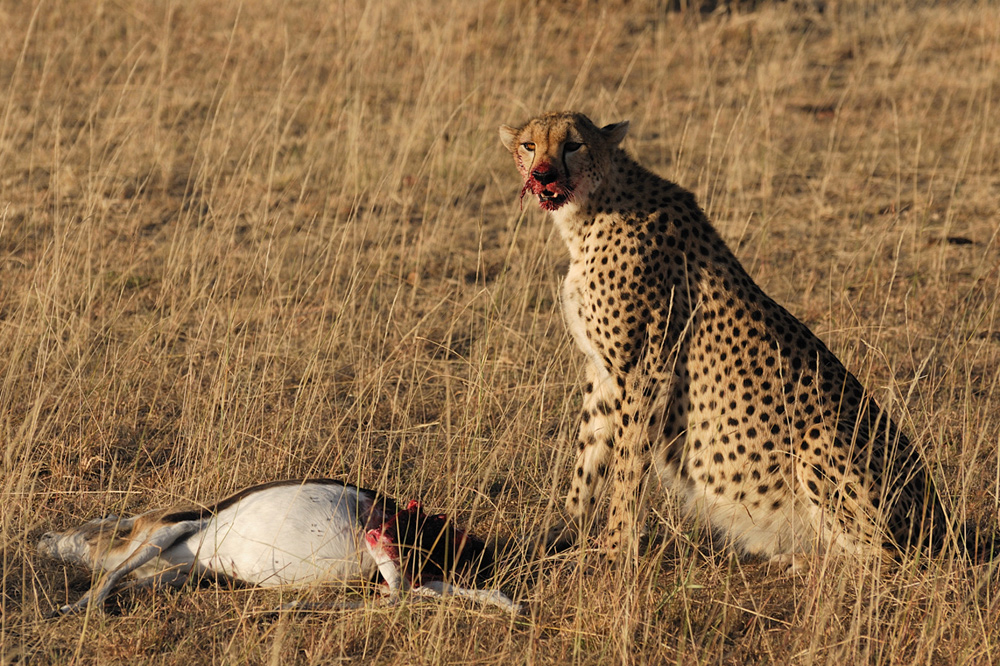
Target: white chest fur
[[574, 306]]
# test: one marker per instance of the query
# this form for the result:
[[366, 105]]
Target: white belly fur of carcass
[[289, 534]]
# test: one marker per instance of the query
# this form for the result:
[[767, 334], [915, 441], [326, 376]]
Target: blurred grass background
[[242, 241]]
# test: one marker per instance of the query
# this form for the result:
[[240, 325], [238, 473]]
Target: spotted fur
[[695, 372]]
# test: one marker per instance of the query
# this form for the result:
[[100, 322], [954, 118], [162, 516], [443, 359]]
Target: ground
[[242, 241]]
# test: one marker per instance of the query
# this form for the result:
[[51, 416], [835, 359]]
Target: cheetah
[[695, 375]]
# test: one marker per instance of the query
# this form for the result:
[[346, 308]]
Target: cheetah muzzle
[[550, 186], [696, 378]]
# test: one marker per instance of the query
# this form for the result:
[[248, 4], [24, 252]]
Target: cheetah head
[[562, 156]]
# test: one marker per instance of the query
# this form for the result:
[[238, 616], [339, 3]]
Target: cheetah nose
[[544, 177]]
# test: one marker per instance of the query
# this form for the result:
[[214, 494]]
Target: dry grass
[[243, 241]]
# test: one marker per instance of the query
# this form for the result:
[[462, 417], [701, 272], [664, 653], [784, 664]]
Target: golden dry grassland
[[242, 241]]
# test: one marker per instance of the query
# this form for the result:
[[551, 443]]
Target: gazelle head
[[431, 547]]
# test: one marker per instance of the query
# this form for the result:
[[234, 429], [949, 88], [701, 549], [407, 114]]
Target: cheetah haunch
[[694, 371]]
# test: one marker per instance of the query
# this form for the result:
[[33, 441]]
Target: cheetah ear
[[615, 132], [508, 135]]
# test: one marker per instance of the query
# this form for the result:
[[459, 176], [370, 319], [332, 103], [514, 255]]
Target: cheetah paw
[[797, 563]]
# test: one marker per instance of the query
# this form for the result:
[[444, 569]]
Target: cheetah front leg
[[642, 408], [595, 443]]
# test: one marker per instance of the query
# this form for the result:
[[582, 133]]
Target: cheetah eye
[[572, 146], [529, 146]]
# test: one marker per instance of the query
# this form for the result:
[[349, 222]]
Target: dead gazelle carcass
[[283, 533]]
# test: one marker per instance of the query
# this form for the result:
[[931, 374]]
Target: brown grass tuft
[[244, 241]]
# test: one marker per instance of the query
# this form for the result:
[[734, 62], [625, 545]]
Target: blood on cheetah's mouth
[[551, 196]]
